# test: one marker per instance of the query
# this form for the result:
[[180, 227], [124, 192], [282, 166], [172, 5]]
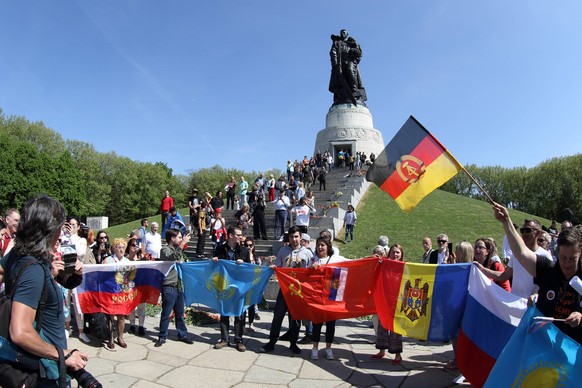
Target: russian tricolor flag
[[491, 317], [118, 288]]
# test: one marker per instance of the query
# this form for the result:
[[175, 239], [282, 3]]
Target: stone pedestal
[[350, 128]]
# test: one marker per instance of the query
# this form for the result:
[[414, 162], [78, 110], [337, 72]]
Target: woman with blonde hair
[[464, 252], [118, 248]]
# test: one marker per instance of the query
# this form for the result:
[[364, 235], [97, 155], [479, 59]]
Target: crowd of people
[[534, 262]]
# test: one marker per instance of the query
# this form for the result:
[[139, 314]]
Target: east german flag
[[330, 292], [412, 165], [423, 301]]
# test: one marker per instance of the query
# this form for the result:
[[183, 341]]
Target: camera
[[84, 378], [69, 255]]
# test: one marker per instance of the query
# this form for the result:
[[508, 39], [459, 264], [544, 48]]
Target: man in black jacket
[[231, 249]]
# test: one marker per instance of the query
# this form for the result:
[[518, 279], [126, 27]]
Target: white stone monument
[[349, 128], [98, 223]]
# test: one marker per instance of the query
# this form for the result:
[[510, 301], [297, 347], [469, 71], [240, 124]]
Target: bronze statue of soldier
[[345, 82]]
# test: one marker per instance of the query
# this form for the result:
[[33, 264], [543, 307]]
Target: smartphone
[[450, 247]]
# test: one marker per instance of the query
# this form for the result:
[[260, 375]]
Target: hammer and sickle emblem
[[295, 289], [410, 168]]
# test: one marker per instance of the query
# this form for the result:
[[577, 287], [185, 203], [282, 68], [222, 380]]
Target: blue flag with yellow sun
[[537, 355], [225, 286]]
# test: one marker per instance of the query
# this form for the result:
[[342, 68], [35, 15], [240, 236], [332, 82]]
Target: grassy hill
[[460, 218]]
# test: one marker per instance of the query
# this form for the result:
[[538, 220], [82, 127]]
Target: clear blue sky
[[244, 83]]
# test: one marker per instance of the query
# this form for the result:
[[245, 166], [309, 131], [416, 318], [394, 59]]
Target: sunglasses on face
[[542, 241], [133, 245], [103, 238], [527, 230], [249, 245], [441, 241]]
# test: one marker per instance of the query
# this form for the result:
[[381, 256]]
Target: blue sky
[[244, 83]]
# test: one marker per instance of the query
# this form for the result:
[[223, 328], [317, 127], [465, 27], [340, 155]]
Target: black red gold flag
[[412, 165]]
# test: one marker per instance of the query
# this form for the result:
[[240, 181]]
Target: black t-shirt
[[216, 202], [224, 252], [556, 297]]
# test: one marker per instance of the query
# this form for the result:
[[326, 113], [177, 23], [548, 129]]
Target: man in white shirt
[[153, 242], [302, 212], [522, 284], [281, 206]]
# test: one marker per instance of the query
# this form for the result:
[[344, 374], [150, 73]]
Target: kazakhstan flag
[[537, 355], [225, 286]]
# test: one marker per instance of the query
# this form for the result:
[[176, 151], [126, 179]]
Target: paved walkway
[[176, 364]]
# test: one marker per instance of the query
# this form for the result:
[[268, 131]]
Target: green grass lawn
[[460, 218]]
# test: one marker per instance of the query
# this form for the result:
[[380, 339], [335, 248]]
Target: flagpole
[[491, 201]]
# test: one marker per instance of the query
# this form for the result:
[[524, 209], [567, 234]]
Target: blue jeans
[[172, 300], [350, 231], [280, 223]]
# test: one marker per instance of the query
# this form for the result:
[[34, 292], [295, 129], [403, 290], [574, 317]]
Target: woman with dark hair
[[249, 244], [217, 202], [324, 256], [133, 253], [101, 247], [244, 219], [394, 341], [38, 232], [484, 251], [230, 193]]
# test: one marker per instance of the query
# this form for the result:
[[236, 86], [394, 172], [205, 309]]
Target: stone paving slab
[[176, 364]]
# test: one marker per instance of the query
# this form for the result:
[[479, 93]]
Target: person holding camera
[[70, 237], [101, 247], [39, 231]]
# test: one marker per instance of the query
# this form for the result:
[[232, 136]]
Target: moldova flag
[[491, 317], [227, 287], [330, 292], [119, 287], [538, 355], [421, 301], [412, 165]]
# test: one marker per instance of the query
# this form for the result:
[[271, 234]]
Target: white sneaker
[[328, 354], [314, 354], [83, 338]]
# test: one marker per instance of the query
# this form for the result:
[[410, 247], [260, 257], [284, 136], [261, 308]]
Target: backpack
[[99, 325], [26, 369]]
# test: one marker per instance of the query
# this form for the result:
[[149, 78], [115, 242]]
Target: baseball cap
[[305, 236]]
